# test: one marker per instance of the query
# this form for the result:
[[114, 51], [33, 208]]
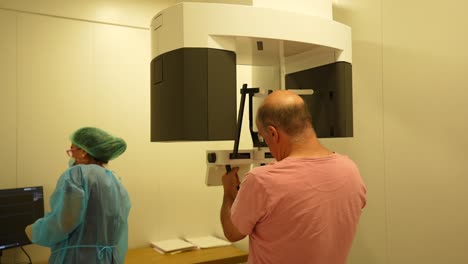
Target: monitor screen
[[19, 208]]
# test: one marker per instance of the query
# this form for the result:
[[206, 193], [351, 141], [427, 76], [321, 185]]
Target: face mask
[[71, 162]]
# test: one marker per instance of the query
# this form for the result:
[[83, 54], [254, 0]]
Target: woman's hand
[[28, 231]]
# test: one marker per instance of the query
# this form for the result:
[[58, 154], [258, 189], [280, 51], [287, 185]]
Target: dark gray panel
[[345, 103], [158, 73], [193, 95], [167, 105], [155, 97], [221, 92], [331, 104]]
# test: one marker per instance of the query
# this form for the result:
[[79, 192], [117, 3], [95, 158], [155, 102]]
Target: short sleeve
[[250, 205]]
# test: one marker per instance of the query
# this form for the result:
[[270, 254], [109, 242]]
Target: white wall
[[425, 111], [130, 13], [409, 60], [75, 66], [366, 147], [8, 110], [8, 97]]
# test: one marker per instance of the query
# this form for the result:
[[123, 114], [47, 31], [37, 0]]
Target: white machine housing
[[217, 168], [301, 40]]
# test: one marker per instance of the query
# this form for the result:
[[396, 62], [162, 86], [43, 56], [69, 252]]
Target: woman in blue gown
[[89, 206]]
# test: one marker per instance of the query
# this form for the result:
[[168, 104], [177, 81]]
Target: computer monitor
[[19, 208]]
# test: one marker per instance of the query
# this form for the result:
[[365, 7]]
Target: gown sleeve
[[122, 243], [68, 207]]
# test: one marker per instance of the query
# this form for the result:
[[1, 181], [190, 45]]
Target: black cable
[[30, 262]]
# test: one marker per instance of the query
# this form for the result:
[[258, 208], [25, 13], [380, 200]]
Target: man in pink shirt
[[303, 209]]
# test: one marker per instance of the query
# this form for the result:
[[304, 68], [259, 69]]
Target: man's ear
[[273, 133]]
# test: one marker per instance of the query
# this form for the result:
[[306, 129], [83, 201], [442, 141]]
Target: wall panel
[[8, 106], [366, 147], [425, 62]]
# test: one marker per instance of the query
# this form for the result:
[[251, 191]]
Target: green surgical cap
[[98, 143]]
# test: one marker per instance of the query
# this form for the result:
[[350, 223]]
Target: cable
[[30, 262]]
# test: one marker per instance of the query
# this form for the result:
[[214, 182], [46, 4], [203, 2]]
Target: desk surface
[[219, 255]]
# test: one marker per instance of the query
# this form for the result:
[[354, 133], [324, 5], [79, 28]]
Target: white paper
[[172, 245], [208, 241]]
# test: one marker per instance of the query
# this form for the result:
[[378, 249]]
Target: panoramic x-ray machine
[[196, 48]]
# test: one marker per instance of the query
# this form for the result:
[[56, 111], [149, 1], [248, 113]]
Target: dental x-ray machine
[[196, 49]]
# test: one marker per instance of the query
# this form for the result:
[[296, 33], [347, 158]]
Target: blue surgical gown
[[88, 218]]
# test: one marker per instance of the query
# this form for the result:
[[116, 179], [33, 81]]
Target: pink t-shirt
[[300, 210]]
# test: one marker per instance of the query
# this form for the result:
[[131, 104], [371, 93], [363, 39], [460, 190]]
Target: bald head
[[284, 110], [283, 97]]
